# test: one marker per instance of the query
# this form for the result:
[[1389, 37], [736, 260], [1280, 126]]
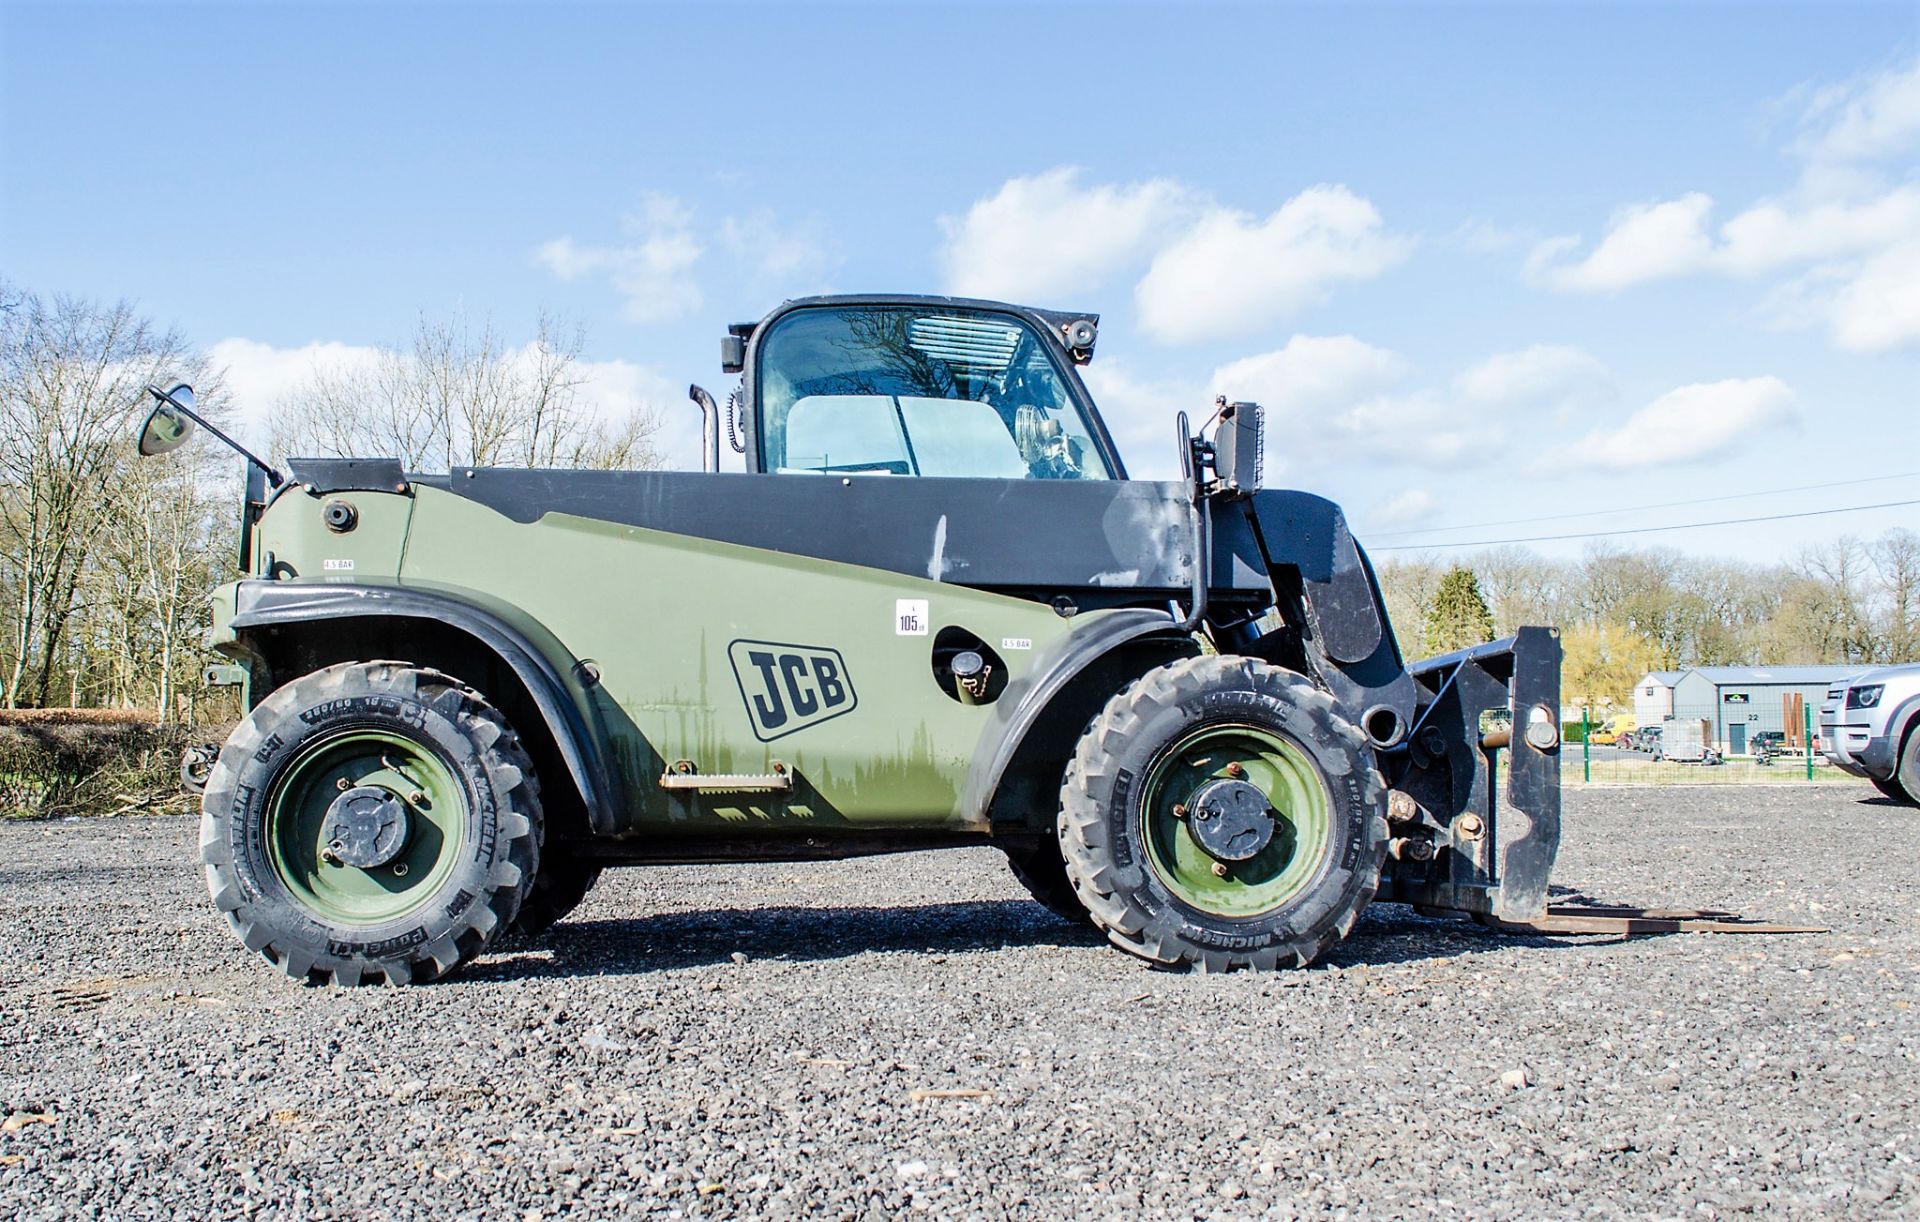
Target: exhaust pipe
[[709, 428]]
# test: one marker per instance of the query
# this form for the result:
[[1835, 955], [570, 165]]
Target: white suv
[[1868, 727]]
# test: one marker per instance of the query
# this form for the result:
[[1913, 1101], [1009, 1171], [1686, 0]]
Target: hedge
[[90, 761]]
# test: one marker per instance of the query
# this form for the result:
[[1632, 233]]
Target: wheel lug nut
[[417, 798], [1235, 769], [1179, 810], [1219, 869], [343, 784]]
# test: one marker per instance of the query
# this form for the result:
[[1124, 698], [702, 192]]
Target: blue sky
[[1481, 262]]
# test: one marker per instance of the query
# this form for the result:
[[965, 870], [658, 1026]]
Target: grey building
[[1742, 701], [1653, 697]]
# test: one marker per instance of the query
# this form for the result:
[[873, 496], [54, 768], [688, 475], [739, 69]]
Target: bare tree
[[1896, 561], [1522, 588], [72, 375], [457, 396], [1823, 614], [171, 538], [1408, 588], [1844, 602]]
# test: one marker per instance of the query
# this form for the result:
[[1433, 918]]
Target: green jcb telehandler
[[933, 611]]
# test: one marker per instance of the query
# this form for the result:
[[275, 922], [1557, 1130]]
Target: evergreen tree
[[1459, 616]]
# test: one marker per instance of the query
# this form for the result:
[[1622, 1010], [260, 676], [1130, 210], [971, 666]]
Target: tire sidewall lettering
[[1256, 695], [293, 721], [1119, 828]]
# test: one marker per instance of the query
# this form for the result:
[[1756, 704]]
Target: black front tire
[[291, 903], [1904, 784], [1105, 820], [1891, 789]]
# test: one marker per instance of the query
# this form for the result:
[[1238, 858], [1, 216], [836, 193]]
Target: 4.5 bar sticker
[[790, 687]]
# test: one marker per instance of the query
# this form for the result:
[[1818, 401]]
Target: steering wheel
[[1044, 446]]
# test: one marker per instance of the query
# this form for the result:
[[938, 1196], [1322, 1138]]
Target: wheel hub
[[366, 826], [1230, 820]]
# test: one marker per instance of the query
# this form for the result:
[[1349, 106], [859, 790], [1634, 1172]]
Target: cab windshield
[[892, 390]]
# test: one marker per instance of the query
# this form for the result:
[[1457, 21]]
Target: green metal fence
[[1764, 742]]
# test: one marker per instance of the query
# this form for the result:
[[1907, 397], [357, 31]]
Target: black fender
[[1327, 591], [534, 654], [1026, 699]]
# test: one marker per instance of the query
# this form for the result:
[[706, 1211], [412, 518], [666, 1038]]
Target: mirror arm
[[273, 476], [1199, 519]]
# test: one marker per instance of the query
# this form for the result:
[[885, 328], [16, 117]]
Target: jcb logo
[[790, 687]]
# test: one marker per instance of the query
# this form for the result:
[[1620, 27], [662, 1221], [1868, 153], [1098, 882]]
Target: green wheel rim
[[297, 809], [1298, 803]]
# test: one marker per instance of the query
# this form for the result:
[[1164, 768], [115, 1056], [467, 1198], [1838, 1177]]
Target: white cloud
[[258, 376], [1340, 399], [664, 249], [1693, 423], [1312, 374], [1332, 398], [1858, 280], [1658, 241], [1413, 505], [1327, 399], [1841, 230], [1139, 415], [1484, 237], [1422, 426], [1643, 242], [1232, 272], [1875, 115], [1879, 309], [653, 268], [613, 390], [1855, 258], [1554, 376], [1771, 235], [1046, 235], [782, 252], [1210, 271]]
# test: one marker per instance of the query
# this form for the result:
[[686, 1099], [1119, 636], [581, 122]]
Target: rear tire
[[557, 890], [1215, 726], [371, 822], [1043, 872]]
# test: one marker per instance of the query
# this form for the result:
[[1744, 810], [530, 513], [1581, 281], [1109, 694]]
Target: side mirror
[[170, 422]]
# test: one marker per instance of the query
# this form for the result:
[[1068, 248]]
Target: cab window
[[892, 390]]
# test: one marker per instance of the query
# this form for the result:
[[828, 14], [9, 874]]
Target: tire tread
[[520, 827], [1084, 830]]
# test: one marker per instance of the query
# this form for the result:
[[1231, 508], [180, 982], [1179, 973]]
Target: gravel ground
[[772, 1040]]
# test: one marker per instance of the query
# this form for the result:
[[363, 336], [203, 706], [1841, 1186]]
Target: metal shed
[[1742, 701]]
